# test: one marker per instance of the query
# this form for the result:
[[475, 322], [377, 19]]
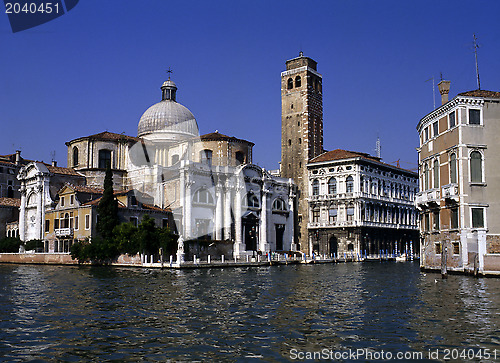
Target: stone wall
[[38, 258]]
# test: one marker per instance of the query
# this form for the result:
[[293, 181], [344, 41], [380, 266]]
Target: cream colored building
[[360, 206]]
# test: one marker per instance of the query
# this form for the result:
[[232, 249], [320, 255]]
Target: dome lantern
[[168, 90]]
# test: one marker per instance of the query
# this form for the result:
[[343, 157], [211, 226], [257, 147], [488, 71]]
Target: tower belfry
[[301, 128]]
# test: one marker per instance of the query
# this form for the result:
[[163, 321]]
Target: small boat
[[401, 258]]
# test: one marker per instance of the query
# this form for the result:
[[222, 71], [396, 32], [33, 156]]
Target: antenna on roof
[[433, 90], [53, 155], [475, 45], [378, 148]]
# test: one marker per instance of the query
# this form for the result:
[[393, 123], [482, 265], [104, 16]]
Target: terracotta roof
[[339, 154], [107, 136], [61, 170], [481, 93], [10, 202], [155, 208], [216, 136], [86, 189]]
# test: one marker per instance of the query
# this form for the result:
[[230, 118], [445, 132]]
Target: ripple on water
[[90, 314]]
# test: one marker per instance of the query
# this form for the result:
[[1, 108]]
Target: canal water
[[273, 314]]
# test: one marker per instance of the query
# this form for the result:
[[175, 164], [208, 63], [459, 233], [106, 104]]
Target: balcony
[[449, 192], [428, 198], [64, 232]]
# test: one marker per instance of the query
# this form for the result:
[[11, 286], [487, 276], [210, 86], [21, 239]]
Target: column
[[227, 213], [238, 242], [22, 214], [38, 217], [263, 244], [218, 213]]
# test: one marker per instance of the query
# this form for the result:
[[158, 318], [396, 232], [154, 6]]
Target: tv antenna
[[53, 155], [475, 45], [378, 148]]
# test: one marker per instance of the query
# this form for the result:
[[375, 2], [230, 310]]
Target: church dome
[[167, 118]]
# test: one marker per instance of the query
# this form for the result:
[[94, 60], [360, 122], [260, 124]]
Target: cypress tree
[[107, 208]]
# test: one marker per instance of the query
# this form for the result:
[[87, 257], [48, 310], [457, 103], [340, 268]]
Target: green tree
[[10, 244], [107, 208], [125, 239]]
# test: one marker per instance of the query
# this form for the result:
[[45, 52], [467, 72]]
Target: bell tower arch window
[[289, 83], [298, 81]]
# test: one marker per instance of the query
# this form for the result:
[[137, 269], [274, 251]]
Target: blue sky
[[100, 66]]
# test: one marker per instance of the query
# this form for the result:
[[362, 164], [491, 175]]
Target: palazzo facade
[[360, 206], [460, 182]]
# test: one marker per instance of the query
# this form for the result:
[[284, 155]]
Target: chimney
[[54, 163], [18, 157], [444, 89]]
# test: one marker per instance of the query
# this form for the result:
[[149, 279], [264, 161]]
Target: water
[[63, 313]]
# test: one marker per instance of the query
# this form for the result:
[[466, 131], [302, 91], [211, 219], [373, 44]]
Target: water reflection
[[89, 314]]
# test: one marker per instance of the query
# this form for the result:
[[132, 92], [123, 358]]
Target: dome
[[167, 118]]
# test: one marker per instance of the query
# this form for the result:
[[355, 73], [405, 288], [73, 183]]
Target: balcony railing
[[63, 232], [450, 191], [428, 197]]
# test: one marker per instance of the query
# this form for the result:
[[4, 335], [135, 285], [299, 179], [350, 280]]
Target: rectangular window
[[477, 218], [62, 201], [426, 222], [134, 221], [76, 223], [435, 129], [332, 215], [451, 117], [315, 215], [454, 218], [437, 246], [87, 221], [47, 225], [164, 223], [350, 214], [56, 223], [426, 134], [474, 117], [435, 225], [71, 199], [456, 248]]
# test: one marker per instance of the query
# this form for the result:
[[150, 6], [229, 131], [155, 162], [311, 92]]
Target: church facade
[[206, 183]]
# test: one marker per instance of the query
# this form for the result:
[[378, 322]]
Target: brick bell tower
[[301, 131]]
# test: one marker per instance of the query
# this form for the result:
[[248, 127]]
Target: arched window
[[332, 186], [240, 157], [436, 173], [315, 187], [453, 168], [426, 176], [203, 196], [332, 214], [476, 168], [174, 159], [289, 83], [315, 214], [279, 205], [104, 158], [75, 156], [252, 201], [298, 81], [349, 184]]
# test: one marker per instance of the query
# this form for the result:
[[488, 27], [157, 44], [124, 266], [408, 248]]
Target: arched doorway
[[250, 224]]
